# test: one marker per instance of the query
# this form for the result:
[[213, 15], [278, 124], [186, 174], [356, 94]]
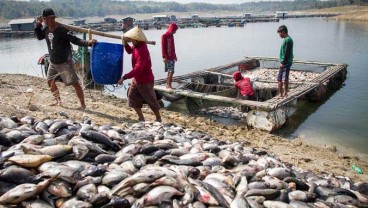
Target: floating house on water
[[22, 24], [161, 19], [127, 23], [110, 20], [281, 14], [247, 15]]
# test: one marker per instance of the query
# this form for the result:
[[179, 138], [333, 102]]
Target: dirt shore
[[346, 13], [22, 95]]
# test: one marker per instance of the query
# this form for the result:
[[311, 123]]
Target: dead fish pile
[[224, 112], [63, 163], [271, 74]]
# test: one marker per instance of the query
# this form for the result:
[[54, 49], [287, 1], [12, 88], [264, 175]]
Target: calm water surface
[[340, 120]]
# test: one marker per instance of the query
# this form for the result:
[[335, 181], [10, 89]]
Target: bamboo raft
[[308, 80]]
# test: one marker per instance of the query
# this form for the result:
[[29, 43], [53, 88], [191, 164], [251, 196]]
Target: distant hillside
[[78, 9]]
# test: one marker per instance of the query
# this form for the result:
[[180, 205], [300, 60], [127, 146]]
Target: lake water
[[340, 120]]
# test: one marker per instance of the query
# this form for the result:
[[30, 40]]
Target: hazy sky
[[209, 1]]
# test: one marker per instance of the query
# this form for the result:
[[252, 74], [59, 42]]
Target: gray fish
[[80, 151], [148, 149], [343, 199], [139, 161], [64, 173], [205, 196], [105, 158], [16, 136], [100, 138], [144, 176], [298, 196], [24, 191], [38, 203], [239, 201], [188, 162], [5, 187], [7, 123], [300, 185], [189, 194], [160, 194], [18, 175], [100, 199], [87, 192], [74, 202], [258, 185], [279, 173], [114, 177], [94, 171], [216, 194], [60, 189], [122, 158], [27, 120], [270, 194], [117, 202], [362, 187], [57, 126], [4, 140], [5, 157], [34, 139], [77, 140], [274, 204], [42, 127], [299, 204], [87, 180]]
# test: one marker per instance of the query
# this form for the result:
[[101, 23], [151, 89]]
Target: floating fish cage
[[207, 88]]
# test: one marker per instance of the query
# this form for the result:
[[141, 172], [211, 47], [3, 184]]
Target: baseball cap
[[48, 12]]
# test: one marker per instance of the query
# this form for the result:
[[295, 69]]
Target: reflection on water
[[341, 119]]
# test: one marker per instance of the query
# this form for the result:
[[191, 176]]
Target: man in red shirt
[[141, 90], [168, 52], [243, 85]]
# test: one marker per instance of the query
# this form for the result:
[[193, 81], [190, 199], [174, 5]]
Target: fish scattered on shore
[[63, 163]]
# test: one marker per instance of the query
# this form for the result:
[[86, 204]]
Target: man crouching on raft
[[141, 90]]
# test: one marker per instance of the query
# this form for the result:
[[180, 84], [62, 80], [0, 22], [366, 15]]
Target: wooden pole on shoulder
[[95, 32]]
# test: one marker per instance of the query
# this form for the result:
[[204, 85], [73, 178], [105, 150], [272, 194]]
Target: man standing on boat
[[141, 90], [168, 52], [286, 60], [58, 39]]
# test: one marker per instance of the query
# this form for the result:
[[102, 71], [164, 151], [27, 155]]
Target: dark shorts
[[139, 94], [64, 71], [284, 73], [170, 66]]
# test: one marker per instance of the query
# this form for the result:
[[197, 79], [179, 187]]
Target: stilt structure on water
[[308, 80]]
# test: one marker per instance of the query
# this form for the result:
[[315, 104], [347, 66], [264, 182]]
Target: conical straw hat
[[136, 34]]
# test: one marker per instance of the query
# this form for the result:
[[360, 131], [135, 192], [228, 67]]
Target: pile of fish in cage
[[65, 163], [224, 112]]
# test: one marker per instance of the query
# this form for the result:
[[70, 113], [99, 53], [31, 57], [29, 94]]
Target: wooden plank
[[294, 61], [188, 93], [95, 32]]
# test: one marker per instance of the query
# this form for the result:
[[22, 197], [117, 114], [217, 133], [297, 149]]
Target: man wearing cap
[[141, 90], [286, 60], [168, 52], [58, 39]]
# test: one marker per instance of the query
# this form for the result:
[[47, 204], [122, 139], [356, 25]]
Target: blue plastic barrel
[[106, 62]]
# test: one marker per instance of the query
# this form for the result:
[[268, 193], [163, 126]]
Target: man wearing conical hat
[[141, 90]]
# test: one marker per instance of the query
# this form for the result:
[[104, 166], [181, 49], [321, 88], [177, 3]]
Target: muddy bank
[[22, 95]]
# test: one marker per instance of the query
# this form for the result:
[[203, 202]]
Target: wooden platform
[[301, 89]]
